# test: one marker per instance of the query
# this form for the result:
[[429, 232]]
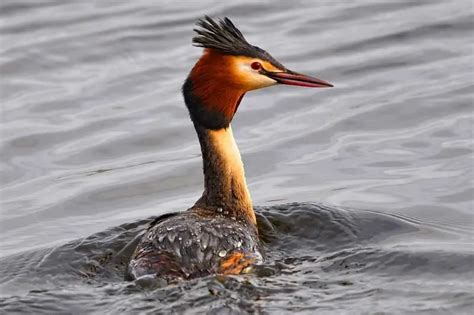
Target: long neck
[[225, 189]]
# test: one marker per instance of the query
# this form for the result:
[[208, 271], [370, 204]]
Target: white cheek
[[253, 79]]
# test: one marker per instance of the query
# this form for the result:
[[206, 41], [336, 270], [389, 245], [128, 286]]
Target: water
[[365, 189]]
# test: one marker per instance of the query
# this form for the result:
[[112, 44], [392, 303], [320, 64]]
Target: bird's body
[[218, 235], [196, 243]]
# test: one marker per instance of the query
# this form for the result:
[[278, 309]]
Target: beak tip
[[326, 84]]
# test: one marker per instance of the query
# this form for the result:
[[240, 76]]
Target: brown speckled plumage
[[196, 243]]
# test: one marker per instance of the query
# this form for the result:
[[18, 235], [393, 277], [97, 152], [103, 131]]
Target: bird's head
[[228, 68]]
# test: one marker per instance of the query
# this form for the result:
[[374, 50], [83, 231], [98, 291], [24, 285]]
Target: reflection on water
[[95, 135]]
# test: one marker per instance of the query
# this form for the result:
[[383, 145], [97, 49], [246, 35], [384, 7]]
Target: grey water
[[364, 191]]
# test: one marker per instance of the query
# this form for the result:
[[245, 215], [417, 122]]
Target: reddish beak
[[292, 78]]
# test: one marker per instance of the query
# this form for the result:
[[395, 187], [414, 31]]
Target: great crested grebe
[[218, 235]]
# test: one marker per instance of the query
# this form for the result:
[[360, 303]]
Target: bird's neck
[[225, 188]]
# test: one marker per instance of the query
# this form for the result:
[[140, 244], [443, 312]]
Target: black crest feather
[[225, 37], [221, 35]]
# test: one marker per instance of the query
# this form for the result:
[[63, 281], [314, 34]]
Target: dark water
[[365, 190]]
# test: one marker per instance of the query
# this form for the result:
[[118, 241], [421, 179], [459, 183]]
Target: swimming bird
[[218, 234]]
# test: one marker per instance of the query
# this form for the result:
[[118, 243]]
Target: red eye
[[256, 65]]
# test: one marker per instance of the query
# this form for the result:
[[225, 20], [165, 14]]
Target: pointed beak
[[289, 77]]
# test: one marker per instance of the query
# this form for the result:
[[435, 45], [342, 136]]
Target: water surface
[[367, 187]]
